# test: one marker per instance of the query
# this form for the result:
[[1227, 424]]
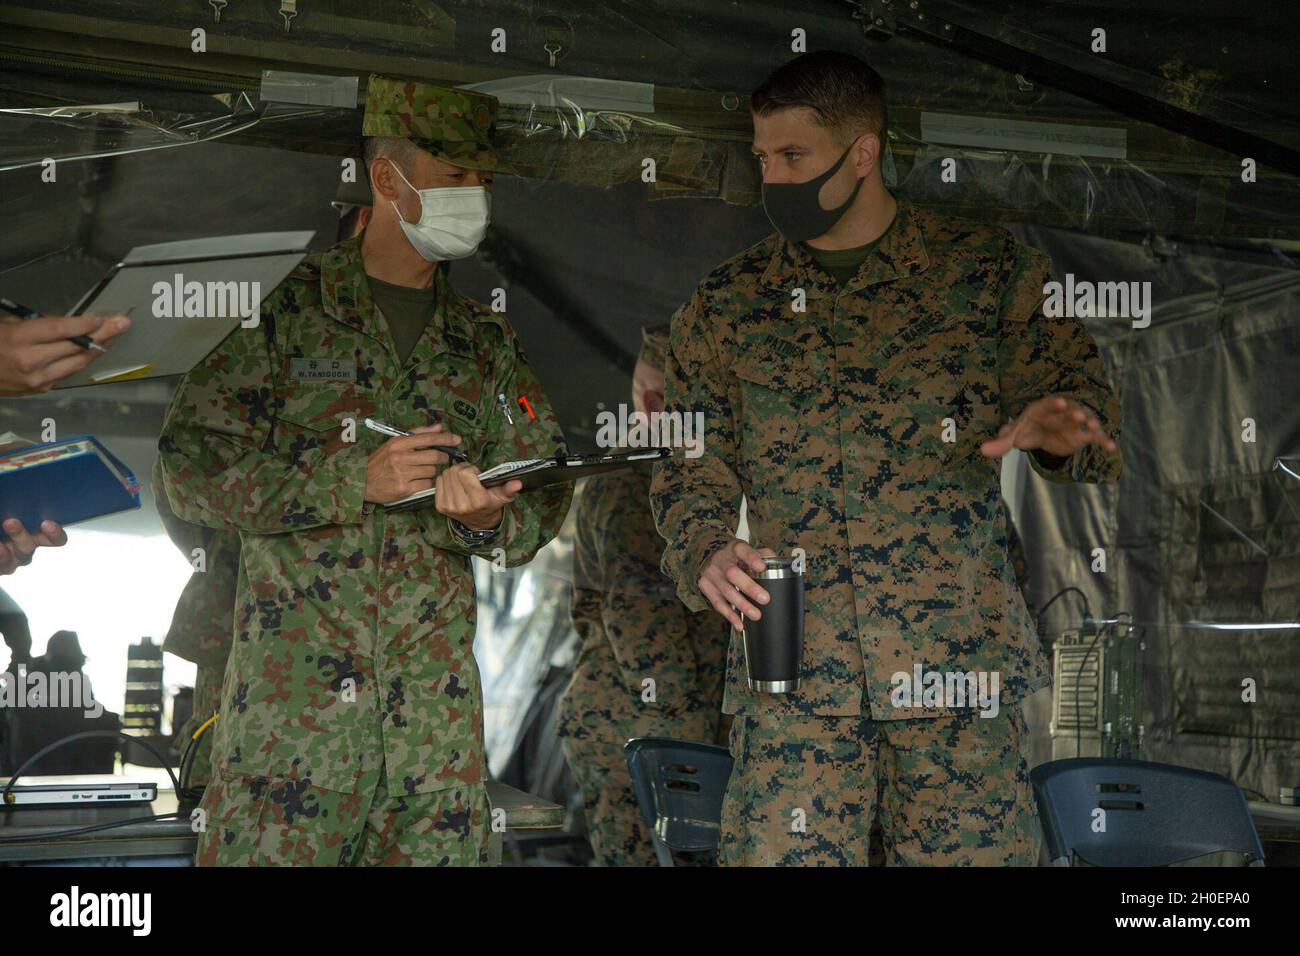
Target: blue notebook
[[65, 481]]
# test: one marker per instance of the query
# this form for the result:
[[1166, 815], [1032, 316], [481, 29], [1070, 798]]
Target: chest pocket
[[314, 414], [778, 393], [450, 388], [940, 397]]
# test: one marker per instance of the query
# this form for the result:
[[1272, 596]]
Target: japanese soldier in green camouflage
[[647, 667], [351, 727], [201, 629], [861, 373]]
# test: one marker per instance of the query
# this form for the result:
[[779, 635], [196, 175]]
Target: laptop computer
[[73, 790]]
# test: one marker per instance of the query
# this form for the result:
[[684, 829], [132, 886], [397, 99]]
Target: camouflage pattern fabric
[[633, 630], [202, 626], [255, 822], [352, 658], [831, 423], [454, 125], [203, 621], [952, 791]]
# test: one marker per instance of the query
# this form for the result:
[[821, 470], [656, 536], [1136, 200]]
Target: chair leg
[[664, 854]]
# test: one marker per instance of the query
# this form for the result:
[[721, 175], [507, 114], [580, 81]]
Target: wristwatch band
[[470, 536]]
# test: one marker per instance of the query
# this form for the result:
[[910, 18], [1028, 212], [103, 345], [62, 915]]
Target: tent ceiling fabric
[[702, 59]]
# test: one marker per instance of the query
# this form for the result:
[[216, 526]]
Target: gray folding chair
[[679, 786], [1152, 814]]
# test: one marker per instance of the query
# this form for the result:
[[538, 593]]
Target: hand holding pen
[[409, 461], [38, 351]]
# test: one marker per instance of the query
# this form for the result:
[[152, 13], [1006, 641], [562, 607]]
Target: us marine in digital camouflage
[[861, 374], [351, 727], [633, 630]]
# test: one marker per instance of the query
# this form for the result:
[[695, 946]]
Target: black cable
[[187, 762], [188, 758], [86, 735], [131, 821], [1087, 610]]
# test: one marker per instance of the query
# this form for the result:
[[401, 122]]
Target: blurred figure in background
[[647, 666]]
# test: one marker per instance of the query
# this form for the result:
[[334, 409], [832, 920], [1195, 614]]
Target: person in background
[[647, 667], [35, 355], [353, 202]]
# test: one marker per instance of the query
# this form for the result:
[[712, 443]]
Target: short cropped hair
[[845, 94], [654, 347], [390, 147]]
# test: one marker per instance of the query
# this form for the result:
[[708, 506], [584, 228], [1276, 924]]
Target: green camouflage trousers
[[251, 821], [945, 791]]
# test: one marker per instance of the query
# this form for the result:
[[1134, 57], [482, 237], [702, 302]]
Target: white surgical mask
[[453, 220]]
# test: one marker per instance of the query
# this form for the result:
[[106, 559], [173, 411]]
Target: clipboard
[[539, 472], [183, 299]]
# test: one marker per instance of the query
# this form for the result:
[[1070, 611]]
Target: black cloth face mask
[[794, 210]]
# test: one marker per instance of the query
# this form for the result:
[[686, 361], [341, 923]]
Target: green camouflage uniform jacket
[[633, 627], [831, 422], [202, 625], [354, 626]]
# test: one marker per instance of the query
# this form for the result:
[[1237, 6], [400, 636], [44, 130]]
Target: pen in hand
[[455, 454], [25, 313]]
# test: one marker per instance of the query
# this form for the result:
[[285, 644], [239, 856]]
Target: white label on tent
[[986, 132]]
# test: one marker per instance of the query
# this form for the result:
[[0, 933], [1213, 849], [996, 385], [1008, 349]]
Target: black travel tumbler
[[774, 643]]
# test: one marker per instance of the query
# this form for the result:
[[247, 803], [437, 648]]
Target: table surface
[[25, 834]]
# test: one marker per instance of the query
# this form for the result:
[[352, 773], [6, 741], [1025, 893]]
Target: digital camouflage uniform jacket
[[354, 626], [831, 422]]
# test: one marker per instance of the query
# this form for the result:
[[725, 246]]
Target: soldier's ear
[[866, 154], [384, 181]]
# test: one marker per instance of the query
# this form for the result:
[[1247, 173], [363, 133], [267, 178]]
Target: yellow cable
[[205, 725]]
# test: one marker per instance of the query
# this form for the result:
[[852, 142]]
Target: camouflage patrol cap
[[455, 125]]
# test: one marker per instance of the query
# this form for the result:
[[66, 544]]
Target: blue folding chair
[[679, 786], [1107, 812]]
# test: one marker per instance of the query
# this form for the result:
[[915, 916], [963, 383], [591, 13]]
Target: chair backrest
[[1154, 814], [679, 786]]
